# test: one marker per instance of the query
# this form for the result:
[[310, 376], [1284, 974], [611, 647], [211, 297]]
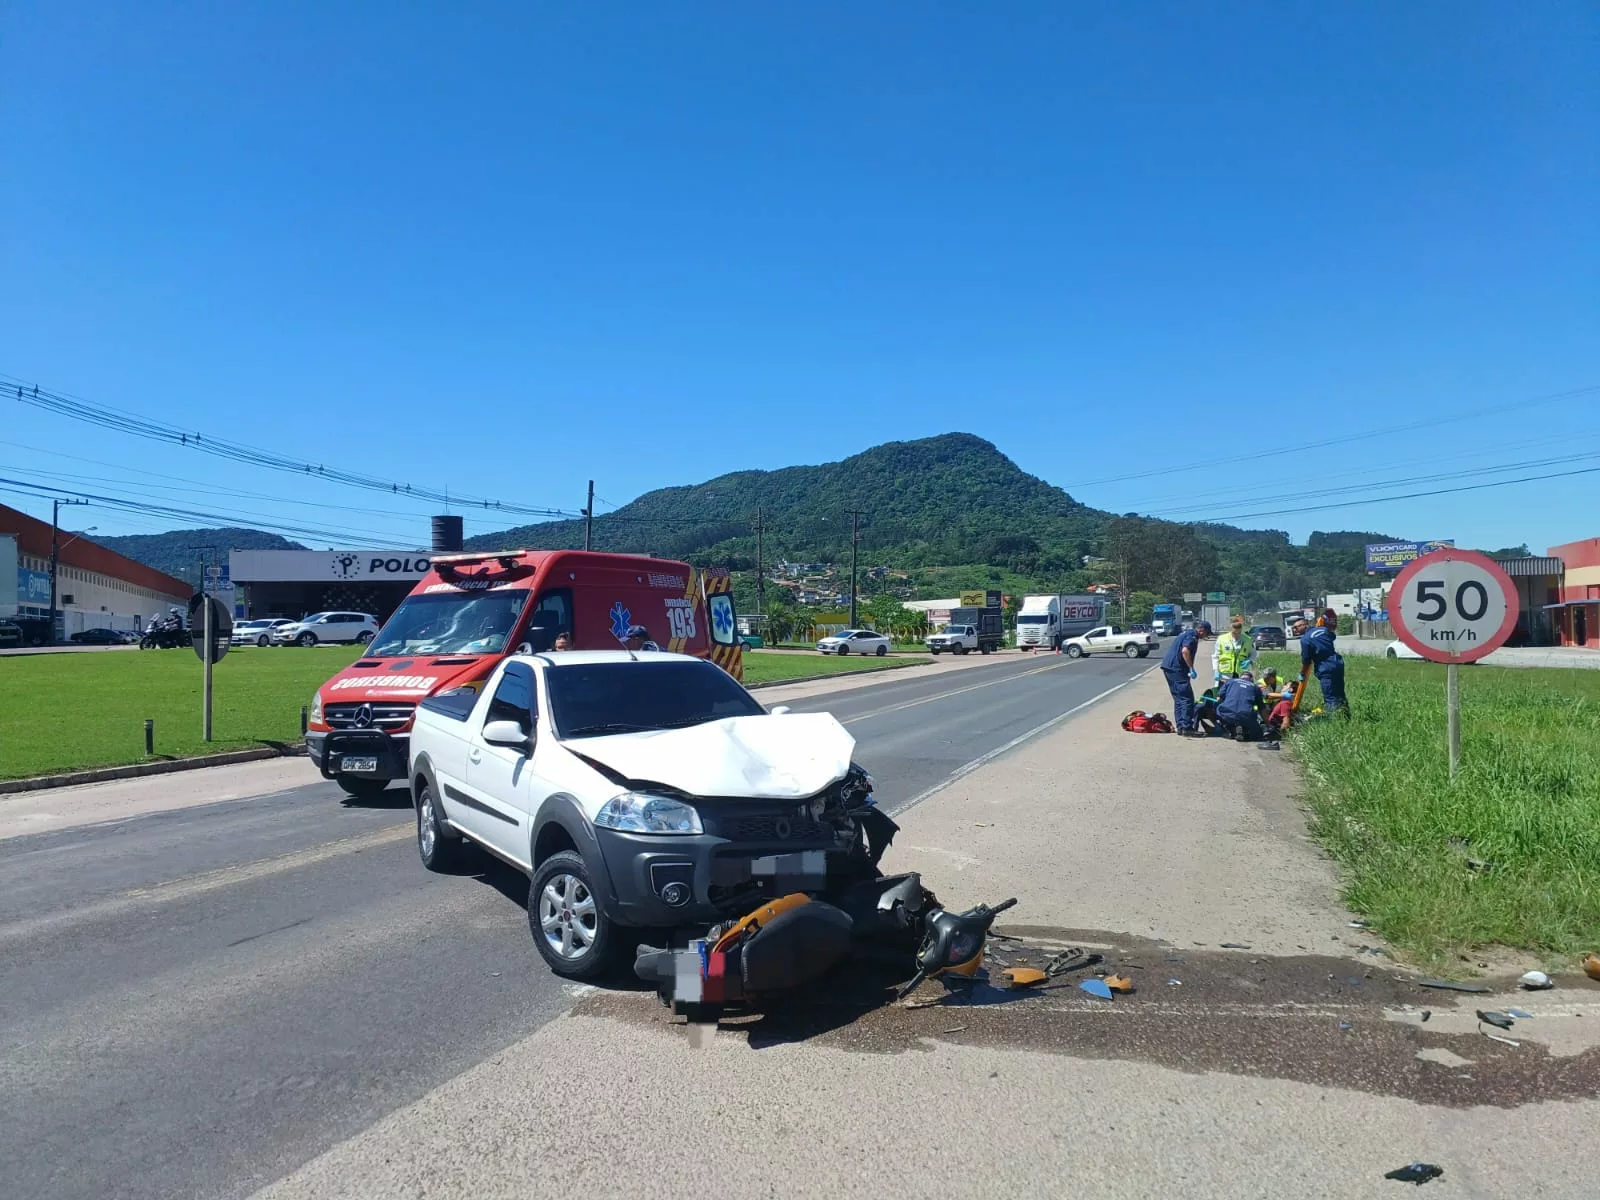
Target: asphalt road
[[193, 1003]]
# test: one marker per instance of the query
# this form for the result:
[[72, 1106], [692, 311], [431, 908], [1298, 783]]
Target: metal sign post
[[211, 628], [1453, 606]]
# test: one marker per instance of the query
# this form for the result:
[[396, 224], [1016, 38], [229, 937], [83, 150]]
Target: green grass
[[63, 712], [67, 712], [763, 667], [1506, 854]]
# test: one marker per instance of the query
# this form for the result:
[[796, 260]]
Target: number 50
[[1431, 591]]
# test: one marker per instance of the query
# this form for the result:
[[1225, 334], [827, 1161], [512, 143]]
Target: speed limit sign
[[1453, 606]]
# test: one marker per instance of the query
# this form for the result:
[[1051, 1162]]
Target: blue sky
[[508, 247]]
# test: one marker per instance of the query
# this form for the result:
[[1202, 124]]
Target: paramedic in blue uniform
[[1319, 653], [1178, 667]]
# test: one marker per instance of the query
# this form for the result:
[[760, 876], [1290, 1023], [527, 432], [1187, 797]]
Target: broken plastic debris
[[1426, 1013], [1358, 924], [1535, 981], [1499, 1020], [1495, 1037], [1070, 960], [1519, 1014], [1591, 965], [1449, 986], [1024, 976], [1236, 945], [1119, 983], [1096, 987], [1174, 983], [1345, 1026], [955, 1029], [1418, 1173]]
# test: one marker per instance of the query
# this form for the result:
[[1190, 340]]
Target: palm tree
[[803, 626]]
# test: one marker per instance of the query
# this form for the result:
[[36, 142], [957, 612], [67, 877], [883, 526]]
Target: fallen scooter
[[798, 939]]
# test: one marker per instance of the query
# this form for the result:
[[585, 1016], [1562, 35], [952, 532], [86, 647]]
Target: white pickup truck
[[647, 790], [1109, 639]]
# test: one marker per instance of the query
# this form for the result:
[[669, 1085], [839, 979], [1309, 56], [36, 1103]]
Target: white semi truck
[[1045, 622]]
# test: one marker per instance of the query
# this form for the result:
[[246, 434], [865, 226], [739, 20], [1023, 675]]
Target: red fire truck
[[472, 610]]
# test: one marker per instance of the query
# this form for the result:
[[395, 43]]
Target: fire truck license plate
[[358, 765]]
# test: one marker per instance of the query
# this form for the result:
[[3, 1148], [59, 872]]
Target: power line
[[1471, 487], [122, 504], [1363, 487], [1433, 422], [129, 423]]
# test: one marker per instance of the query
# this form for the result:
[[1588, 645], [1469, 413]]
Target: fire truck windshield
[[451, 623]]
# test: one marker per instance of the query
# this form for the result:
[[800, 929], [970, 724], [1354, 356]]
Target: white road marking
[[968, 768]]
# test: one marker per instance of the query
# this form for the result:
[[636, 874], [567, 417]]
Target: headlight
[[640, 812], [316, 709]]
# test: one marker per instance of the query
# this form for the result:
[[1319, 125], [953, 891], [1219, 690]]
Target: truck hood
[[788, 757], [409, 678]]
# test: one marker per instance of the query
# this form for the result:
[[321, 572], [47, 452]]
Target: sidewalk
[[1293, 1065]]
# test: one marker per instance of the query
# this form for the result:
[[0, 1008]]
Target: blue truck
[[1165, 620]]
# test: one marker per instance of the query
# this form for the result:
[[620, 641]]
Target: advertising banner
[[1392, 556], [33, 587]]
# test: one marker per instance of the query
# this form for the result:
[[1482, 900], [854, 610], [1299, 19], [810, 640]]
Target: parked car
[[10, 635], [1110, 639], [327, 627], [257, 631], [104, 637], [855, 641], [752, 641], [643, 791], [1268, 637]]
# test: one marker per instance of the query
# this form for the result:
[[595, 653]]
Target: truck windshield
[[451, 623], [1033, 619], [595, 699]]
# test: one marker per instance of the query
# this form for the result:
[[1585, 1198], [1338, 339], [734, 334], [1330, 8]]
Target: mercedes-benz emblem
[[363, 716], [782, 828]]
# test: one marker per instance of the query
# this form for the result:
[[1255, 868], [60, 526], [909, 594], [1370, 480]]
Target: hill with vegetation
[[174, 551], [945, 513]]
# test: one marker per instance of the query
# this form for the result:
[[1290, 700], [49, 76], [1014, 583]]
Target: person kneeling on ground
[[1238, 711]]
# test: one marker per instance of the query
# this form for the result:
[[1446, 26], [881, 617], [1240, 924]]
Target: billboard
[[33, 587], [986, 599], [1391, 556]]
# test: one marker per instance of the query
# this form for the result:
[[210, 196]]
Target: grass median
[[69, 712], [1508, 853], [771, 667]]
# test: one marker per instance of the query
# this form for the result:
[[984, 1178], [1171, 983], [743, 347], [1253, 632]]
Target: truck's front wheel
[[571, 931], [439, 850], [1074, 651]]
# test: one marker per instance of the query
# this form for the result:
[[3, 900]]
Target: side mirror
[[781, 710], [508, 733]]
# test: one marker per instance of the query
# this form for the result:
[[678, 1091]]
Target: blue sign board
[[1391, 556], [33, 587]]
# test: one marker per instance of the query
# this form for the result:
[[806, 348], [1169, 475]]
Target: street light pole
[[55, 556]]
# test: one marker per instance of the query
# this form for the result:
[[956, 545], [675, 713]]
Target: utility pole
[[55, 556], [761, 582], [855, 541], [588, 520]]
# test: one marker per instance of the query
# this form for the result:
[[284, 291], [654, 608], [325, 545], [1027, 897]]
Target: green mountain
[[945, 513], [935, 501], [174, 551]]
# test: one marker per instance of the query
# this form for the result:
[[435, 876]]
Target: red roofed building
[[1577, 610], [96, 588]]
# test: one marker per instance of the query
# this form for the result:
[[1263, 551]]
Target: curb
[[135, 770]]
